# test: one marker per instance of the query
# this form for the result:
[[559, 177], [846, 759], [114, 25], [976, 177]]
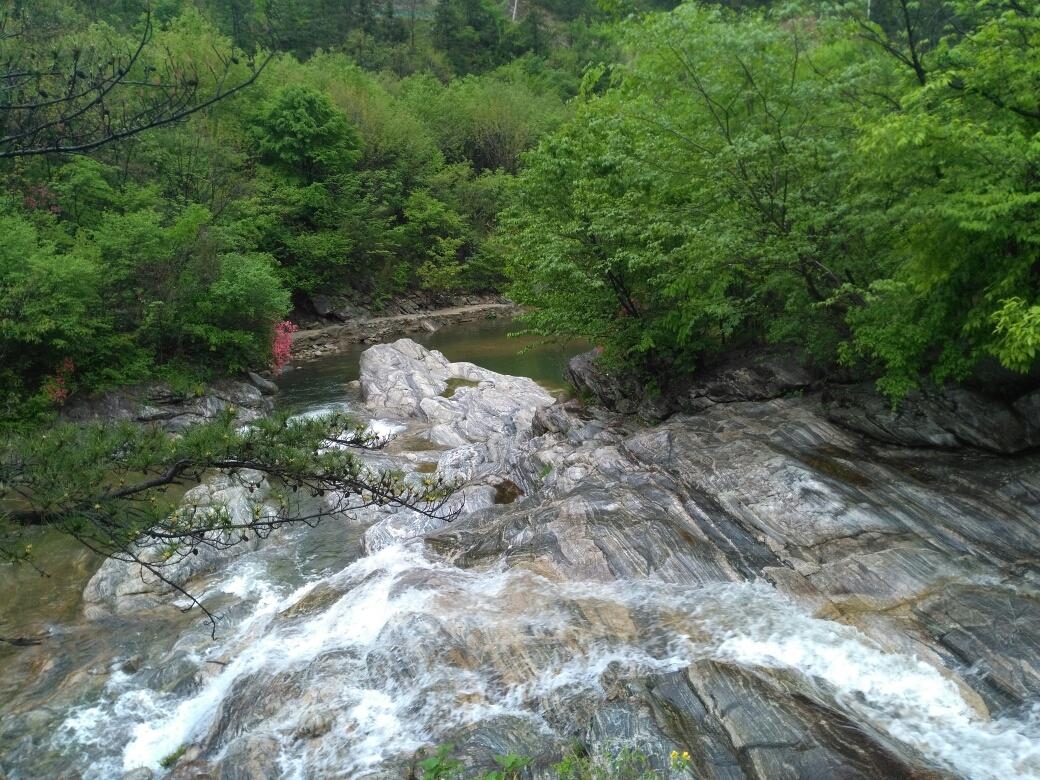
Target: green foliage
[[486, 120], [321, 178], [862, 194], [1018, 328], [628, 763], [300, 130], [470, 33], [959, 241], [691, 200], [105, 485], [440, 765], [511, 765], [170, 760]]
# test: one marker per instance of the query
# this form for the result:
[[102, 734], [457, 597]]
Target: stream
[[336, 660]]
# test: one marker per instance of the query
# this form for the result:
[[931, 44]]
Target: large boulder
[[462, 402], [481, 415], [752, 376], [338, 308], [949, 418], [755, 375], [123, 587], [613, 388]]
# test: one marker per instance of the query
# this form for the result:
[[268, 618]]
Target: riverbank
[[357, 327]]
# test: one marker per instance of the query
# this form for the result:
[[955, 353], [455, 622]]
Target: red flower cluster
[[281, 345], [56, 387]]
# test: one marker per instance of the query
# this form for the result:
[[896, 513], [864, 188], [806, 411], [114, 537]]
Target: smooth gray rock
[[462, 402], [481, 415], [752, 376], [911, 546], [756, 376], [265, 386], [615, 390], [949, 418], [925, 556], [335, 307], [122, 587]]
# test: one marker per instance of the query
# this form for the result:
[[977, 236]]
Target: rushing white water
[[401, 649]]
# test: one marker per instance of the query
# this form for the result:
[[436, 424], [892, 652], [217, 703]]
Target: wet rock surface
[[939, 547], [950, 418], [754, 583], [124, 587]]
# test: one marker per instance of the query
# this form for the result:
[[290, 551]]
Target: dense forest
[[864, 190], [856, 182], [344, 148]]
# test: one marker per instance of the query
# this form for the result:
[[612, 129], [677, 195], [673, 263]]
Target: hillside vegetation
[[176, 177], [862, 190]]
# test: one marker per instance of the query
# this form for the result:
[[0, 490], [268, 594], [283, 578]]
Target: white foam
[[384, 430], [412, 649]]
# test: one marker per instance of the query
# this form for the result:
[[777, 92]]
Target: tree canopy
[[176, 178], [847, 186]]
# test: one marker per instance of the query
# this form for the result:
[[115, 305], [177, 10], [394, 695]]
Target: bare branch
[[69, 107]]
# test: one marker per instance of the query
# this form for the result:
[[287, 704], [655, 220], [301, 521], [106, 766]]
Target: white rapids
[[408, 648]]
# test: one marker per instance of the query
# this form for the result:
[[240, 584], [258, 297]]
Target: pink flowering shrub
[[281, 345], [57, 388]]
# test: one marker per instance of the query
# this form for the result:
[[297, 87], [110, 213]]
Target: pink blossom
[[281, 345], [56, 387]]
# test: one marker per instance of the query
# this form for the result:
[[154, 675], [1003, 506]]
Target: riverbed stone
[[930, 553], [265, 386], [481, 417], [776, 490], [124, 587]]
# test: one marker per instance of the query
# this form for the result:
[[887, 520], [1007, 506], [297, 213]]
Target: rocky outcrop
[[481, 416], [754, 584], [157, 403], [614, 389], [463, 403], [750, 376], [946, 418], [928, 553], [123, 587], [950, 417]]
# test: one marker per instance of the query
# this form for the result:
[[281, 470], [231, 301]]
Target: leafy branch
[[106, 486]]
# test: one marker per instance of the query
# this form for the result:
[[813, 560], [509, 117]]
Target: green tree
[[469, 32], [955, 172], [48, 310], [301, 131], [698, 202], [68, 87]]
